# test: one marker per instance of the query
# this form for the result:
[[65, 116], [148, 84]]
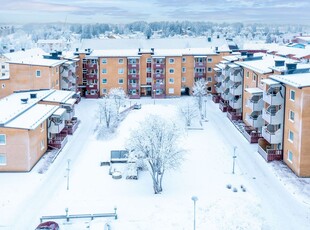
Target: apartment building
[[296, 125], [151, 72], [30, 124]]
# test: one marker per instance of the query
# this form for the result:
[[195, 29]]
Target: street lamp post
[[234, 159], [154, 94], [68, 173], [194, 199]]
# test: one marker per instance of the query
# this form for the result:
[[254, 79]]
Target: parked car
[[137, 106], [48, 225]]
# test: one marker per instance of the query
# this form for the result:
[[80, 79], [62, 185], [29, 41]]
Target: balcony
[[235, 103], [236, 76], [252, 135], [158, 86], [133, 86], [234, 116], [216, 98], [272, 115], [133, 66], [264, 149], [69, 112], [200, 75], [66, 84], [159, 75], [58, 141], [218, 87], [273, 98], [133, 76], [91, 87], [72, 125], [158, 66], [223, 105], [91, 76], [255, 120], [56, 125], [255, 103], [272, 134], [92, 95], [236, 89], [200, 64], [218, 77], [91, 66], [226, 95]]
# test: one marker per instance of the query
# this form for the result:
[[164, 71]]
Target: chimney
[[152, 50], [278, 63], [209, 39], [33, 95], [76, 49]]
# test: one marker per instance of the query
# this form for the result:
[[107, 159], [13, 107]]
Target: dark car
[[49, 225]]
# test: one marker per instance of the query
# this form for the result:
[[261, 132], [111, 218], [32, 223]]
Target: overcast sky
[[123, 11]]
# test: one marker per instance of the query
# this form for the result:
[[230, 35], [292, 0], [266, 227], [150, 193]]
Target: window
[[3, 86], [2, 159], [254, 77], [171, 60], [3, 66], [121, 71], [38, 73], [171, 70], [261, 81], [290, 136], [291, 115], [132, 61], [104, 71], [42, 144], [292, 95], [290, 156], [2, 139], [3, 74], [247, 74], [148, 69], [120, 61], [209, 69], [57, 82], [183, 79], [104, 91], [104, 81], [104, 61], [209, 79], [93, 61], [121, 81], [171, 90], [183, 69], [171, 80], [183, 59], [42, 127], [149, 60], [209, 59]]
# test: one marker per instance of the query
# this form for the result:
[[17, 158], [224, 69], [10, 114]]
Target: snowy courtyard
[[262, 195]]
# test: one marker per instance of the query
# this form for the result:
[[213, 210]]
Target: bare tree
[[188, 110], [200, 91], [119, 97], [106, 111], [156, 142]]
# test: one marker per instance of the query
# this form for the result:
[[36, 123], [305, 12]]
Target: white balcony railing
[[236, 104], [236, 90], [273, 99], [255, 105], [273, 118], [256, 121], [273, 137]]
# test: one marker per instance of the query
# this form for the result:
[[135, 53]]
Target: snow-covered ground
[[273, 199]]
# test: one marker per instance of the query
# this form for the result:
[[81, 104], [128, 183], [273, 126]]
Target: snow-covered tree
[[199, 92], [156, 142], [188, 110], [119, 97], [106, 111]]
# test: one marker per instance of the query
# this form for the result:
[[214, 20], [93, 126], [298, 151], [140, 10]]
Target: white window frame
[[42, 144], [42, 127], [3, 156], [121, 61], [3, 143], [104, 61], [38, 73], [121, 71], [171, 90], [291, 136], [104, 71], [209, 79], [104, 90], [291, 115], [209, 69], [121, 81], [290, 156], [171, 70], [183, 59], [183, 69], [104, 79], [210, 60], [149, 60], [183, 79], [171, 80], [292, 92], [171, 60]]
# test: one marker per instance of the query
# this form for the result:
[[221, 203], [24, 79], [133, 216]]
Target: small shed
[[119, 156]]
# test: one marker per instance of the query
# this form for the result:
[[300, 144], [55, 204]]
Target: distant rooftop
[[59, 96], [31, 53], [300, 80], [38, 61]]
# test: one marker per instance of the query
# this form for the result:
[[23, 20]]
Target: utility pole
[[234, 159], [68, 173]]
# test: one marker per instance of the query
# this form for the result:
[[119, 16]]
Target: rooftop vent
[[291, 66], [24, 100], [33, 95], [278, 63]]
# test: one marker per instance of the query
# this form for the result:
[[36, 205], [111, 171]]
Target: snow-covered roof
[[231, 58], [12, 106], [59, 112], [38, 61], [198, 51], [296, 80], [31, 53], [254, 90], [167, 52], [299, 66], [44, 41], [232, 65], [115, 53], [33, 117], [269, 81], [59, 96]]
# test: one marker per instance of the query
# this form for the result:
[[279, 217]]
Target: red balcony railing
[[200, 75], [59, 140], [159, 86], [133, 86], [91, 86], [159, 66], [133, 66], [72, 125], [133, 76], [158, 75], [91, 76], [200, 64]]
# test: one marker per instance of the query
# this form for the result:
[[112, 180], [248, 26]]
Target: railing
[[273, 117], [223, 106], [59, 141], [216, 98], [133, 86], [133, 66], [133, 75], [200, 64], [256, 121], [158, 75], [273, 99], [158, 66], [218, 78], [273, 137], [251, 135], [270, 154], [234, 116], [200, 75], [236, 90], [255, 105], [91, 86], [236, 77], [235, 104]]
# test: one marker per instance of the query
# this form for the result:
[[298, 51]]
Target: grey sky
[[123, 11]]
